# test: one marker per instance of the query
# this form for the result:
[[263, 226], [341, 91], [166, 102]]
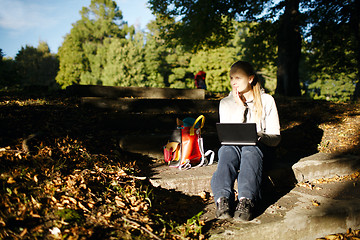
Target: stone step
[[196, 180], [280, 173], [124, 124], [325, 165], [294, 216], [136, 92], [152, 106]]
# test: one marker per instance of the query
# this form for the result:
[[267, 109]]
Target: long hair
[[249, 70]]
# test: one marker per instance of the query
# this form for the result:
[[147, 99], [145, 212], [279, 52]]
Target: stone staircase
[[289, 211]]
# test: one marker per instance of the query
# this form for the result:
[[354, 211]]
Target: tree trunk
[[289, 51], [356, 24]]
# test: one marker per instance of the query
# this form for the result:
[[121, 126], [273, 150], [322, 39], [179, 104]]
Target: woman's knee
[[253, 151], [228, 154]]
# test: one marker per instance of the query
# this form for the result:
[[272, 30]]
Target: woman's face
[[240, 81]]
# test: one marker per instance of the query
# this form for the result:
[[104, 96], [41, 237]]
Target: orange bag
[[185, 148], [190, 135]]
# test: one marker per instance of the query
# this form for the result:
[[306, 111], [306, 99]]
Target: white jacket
[[268, 127]]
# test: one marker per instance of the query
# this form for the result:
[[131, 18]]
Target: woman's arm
[[271, 140], [271, 134]]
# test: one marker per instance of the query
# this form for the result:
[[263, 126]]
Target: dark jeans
[[241, 163]]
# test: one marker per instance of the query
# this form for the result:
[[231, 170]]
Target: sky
[[26, 22]]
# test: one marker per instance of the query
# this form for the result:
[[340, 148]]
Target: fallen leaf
[[73, 200], [118, 202], [203, 195], [306, 185], [18, 155], [22, 234], [36, 203], [122, 173], [332, 237], [315, 203], [107, 215], [148, 227], [2, 223], [136, 208], [83, 207], [53, 199], [34, 215], [11, 180]]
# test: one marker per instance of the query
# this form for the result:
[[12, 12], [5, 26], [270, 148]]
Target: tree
[[82, 54], [8, 76], [335, 26], [156, 51], [214, 62], [289, 50], [209, 23], [36, 66], [125, 62], [166, 60]]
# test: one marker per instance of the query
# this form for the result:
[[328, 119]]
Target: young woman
[[247, 102]]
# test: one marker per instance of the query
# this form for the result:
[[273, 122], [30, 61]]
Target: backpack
[[185, 148]]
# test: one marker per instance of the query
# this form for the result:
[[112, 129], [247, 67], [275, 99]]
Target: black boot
[[244, 210], [222, 208]]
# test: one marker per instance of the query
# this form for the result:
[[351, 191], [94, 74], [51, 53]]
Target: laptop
[[237, 133]]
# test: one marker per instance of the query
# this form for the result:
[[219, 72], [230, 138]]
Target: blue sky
[[26, 22]]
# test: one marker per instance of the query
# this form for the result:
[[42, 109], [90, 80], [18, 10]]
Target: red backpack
[[185, 148]]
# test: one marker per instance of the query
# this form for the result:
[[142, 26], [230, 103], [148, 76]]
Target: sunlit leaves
[[62, 190]]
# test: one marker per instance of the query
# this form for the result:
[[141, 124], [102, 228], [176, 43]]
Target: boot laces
[[244, 205]]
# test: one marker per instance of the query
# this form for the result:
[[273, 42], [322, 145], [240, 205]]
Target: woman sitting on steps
[[247, 103]]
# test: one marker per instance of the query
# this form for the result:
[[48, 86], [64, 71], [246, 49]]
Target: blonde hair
[[249, 70]]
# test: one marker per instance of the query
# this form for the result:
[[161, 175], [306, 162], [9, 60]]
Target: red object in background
[[200, 80]]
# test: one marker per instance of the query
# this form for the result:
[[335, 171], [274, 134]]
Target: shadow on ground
[[99, 129]]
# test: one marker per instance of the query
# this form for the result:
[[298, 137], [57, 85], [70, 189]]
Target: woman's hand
[[239, 97]]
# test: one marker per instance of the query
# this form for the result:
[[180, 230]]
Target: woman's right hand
[[239, 98]]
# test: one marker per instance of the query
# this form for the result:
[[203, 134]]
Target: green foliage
[[125, 63], [335, 87], [216, 63], [82, 55], [36, 66], [102, 49], [204, 23], [157, 49], [333, 49], [7, 71], [70, 215], [258, 41]]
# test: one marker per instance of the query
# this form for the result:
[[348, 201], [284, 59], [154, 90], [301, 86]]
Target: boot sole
[[224, 216]]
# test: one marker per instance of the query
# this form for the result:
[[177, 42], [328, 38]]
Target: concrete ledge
[[154, 106], [323, 165], [297, 219], [197, 180], [191, 182], [138, 92]]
